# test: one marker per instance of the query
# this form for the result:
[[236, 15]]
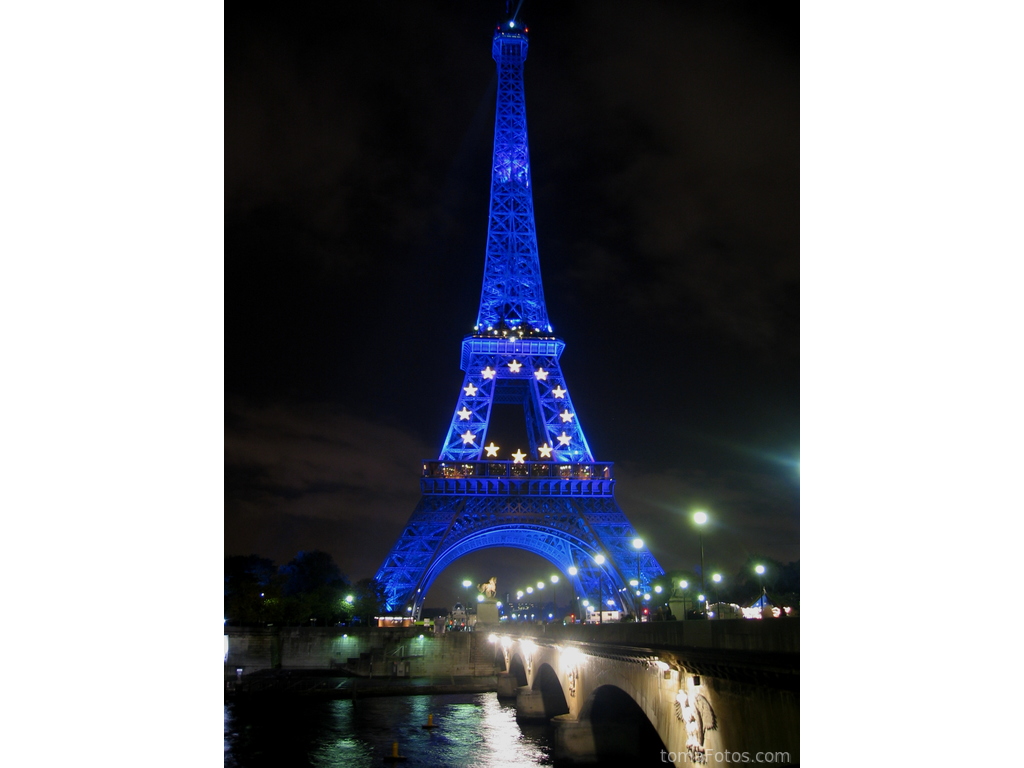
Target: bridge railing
[[766, 635]]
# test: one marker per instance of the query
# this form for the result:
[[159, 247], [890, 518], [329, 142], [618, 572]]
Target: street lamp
[[638, 544], [599, 559], [554, 590], [700, 518], [573, 570], [683, 584], [759, 570], [717, 578]]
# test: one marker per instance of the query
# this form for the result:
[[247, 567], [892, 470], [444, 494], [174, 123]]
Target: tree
[[314, 590], [251, 587], [369, 599]]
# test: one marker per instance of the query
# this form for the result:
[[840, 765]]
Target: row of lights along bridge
[[641, 599]]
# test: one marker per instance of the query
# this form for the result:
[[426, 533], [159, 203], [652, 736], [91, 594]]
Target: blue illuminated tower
[[554, 499]]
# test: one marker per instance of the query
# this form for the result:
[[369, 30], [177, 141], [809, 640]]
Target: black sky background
[[664, 140]]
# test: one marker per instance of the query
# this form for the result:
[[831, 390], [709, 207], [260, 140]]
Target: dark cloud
[[297, 470]]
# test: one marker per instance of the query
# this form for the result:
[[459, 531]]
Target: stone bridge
[[674, 692]]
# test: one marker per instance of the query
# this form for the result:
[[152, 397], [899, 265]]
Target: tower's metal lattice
[[555, 501]]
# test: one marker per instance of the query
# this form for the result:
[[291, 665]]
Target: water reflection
[[472, 729]]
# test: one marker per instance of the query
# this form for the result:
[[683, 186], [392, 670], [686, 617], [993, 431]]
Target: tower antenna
[[516, 14]]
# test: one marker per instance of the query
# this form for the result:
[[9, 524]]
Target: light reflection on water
[[472, 730]]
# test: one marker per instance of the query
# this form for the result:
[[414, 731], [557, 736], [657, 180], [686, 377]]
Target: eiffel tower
[[557, 500]]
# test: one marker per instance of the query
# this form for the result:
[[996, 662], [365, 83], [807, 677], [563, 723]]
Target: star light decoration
[[464, 414], [544, 451], [468, 437], [469, 389], [566, 416], [514, 366], [518, 456], [559, 392], [492, 449], [541, 374], [488, 372], [564, 438]]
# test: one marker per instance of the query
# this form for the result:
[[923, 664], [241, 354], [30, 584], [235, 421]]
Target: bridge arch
[[547, 683], [517, 668], [621, 728]]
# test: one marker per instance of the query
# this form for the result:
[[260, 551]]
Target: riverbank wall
[[370, 652]]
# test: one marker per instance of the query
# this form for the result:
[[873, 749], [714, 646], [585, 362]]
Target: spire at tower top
[[512, 296]]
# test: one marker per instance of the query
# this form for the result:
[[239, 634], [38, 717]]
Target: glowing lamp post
[[573, 570], [759, 570], [717, 578], [467, 584], [599, 559], [700, 518], [638, 544], [683, 584], [554, 591]]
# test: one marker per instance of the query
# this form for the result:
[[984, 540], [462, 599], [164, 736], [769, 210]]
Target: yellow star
[[492, 449], [566, 416], [544, 450], [541, 374], [470, 389], [559, 392], [564, 438], [464, 414], [488, 372], [468, 437], [514, 366], [518, 457]]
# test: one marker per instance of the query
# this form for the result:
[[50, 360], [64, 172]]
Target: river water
[[473, 729]]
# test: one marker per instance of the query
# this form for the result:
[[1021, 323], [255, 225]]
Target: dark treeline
[[309, 590]]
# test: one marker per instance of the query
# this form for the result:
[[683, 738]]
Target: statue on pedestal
[[488, 588]]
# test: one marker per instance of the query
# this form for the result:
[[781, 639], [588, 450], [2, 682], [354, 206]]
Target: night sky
[[664, 141]]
